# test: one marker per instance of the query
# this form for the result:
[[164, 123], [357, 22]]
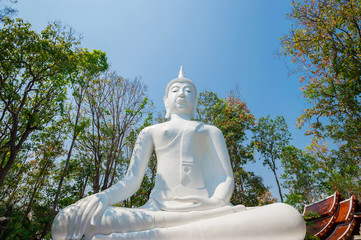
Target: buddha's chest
[[178, 135], [180, 151]]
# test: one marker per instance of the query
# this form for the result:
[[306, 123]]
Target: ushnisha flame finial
[[179, 79], [181, 74]]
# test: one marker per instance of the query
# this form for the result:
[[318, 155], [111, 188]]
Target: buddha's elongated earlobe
[[195, 106], [167, 114]]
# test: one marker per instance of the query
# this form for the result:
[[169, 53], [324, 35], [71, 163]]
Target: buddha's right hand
[[101, 205], [91, 207], [71, 222]]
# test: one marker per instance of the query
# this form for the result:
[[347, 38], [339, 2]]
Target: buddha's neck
[[177, 116]]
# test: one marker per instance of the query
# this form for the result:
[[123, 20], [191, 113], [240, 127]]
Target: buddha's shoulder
[[167, 125], [210, 128], [157, 126], [154, 128]]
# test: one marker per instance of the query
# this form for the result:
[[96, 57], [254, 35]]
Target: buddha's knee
[[288, 217], [63, 226]]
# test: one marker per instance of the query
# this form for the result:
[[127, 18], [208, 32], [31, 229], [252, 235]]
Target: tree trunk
[[56, 200], [81, 194], [14, 148], [36, 187], [64, 173], [278, 185], [75, 135]]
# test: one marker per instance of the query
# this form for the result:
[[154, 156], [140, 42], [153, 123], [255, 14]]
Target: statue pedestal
[[251, 224]]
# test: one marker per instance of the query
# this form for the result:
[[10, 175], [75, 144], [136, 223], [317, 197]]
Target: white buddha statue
[[193, 187]]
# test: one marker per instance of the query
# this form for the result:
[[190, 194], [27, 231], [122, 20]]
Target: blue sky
[[220, 43]]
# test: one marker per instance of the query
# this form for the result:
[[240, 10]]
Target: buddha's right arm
[[142, 152], [92, 207]]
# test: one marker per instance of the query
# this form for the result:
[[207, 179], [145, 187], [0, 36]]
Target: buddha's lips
[[181, 101]]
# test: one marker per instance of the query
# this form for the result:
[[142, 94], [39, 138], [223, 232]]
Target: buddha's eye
[[175, 89]]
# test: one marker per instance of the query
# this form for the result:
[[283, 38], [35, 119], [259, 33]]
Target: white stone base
[[273, 222]]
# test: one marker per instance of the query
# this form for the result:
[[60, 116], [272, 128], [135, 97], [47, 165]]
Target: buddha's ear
[[165, 100], [195, 105]]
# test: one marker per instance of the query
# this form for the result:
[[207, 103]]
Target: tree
[[326, 45], [270, 137], [7, 11], [114, 106], [338, 167], [92, 64], [31, 196], [34, 72], [302, 177]]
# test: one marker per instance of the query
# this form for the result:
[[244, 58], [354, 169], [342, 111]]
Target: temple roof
[[334, 217]]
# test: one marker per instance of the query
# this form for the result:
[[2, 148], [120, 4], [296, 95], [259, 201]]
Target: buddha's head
[[180, 96]]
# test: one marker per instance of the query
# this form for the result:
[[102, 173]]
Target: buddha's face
[[181, 99]]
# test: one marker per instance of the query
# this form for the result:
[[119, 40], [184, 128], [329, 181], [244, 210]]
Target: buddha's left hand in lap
[[201, 203]]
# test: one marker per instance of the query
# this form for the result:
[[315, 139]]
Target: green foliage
[[21, 227], [270, 137], [302, 177], [308, 216], [35, 70], [309, 236], [338, 167], [325, 42]]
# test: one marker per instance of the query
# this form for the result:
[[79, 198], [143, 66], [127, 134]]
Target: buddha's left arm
[[225, 188]]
